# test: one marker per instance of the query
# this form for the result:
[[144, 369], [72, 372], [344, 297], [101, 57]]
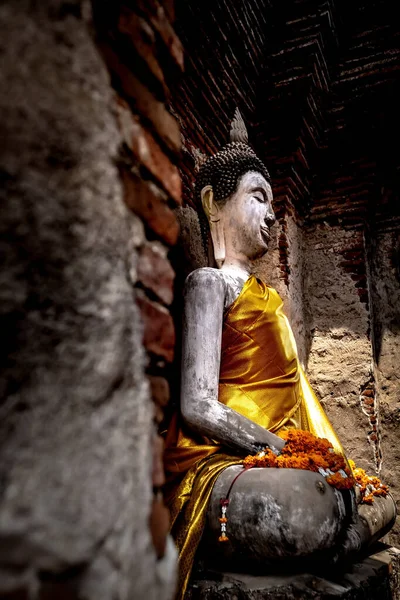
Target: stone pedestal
[[375, 577]]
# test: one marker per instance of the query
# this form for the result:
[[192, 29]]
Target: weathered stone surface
[[192, 254], [155, 271], [159, 332], [147, 201], [288, 279], [390, 426], [331, 325], [340, 354], [394, 570], [370, 578], [76, 417], [385, 292]]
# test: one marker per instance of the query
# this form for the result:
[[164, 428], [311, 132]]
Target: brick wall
[[144, 57]]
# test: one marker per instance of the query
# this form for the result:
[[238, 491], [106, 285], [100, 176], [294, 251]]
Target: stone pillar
[[77, 435]]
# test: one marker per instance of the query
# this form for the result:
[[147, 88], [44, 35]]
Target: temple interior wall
[[283, 268], [297, 300], [385, 300], [340, 289], [339, 361], [385, 304]]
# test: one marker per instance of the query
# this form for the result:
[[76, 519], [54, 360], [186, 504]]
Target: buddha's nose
[[270, 217]]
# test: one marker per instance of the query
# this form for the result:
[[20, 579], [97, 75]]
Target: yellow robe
[[260, 378]]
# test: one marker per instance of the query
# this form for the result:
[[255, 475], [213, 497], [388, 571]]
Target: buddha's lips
[[265, 233]]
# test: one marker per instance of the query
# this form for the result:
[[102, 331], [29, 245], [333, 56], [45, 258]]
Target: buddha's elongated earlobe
[[213, 214]]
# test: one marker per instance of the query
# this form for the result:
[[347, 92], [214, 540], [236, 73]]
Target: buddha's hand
[[275, 446], [357, 492]]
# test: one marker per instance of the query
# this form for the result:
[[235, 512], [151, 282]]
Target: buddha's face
[[248, 217]]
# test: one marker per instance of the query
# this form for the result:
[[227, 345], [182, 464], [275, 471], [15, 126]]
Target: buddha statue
[[242, 387]]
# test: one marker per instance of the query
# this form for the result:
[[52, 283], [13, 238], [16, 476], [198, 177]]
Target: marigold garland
[[303, 450], [369, 486]]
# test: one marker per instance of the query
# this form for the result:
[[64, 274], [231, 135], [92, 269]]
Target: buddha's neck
[[237, 267]]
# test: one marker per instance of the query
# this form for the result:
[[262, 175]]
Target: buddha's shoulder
[[207, 277]]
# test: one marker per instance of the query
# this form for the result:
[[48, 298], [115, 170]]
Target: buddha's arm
[[201, 355]]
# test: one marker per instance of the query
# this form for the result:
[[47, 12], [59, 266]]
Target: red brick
[[143, 39], [368, 401], [149, 154], [158, 414], [159, 390], [169, 7], [159, 331], [147, 201], [144, 102], [158, 475], [155, 272], [159, 526], [161, 23], [159, 518], [363, 294], [358, 277], [353, 264], [351, 254]]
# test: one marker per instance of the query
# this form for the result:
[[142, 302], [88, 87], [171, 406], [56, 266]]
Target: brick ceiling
[[318, 84]]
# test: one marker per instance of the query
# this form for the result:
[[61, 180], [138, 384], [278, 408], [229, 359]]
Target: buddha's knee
[[377, 519], [279, 513]]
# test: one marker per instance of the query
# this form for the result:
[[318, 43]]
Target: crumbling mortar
[[378, 456], [283, 249], [369, 403]]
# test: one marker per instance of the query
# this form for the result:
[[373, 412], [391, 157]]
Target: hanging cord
[[224, 502]]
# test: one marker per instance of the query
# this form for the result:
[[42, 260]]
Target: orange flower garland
[[368, 486], [303, 450]]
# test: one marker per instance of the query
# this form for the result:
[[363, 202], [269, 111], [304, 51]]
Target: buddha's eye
[[259, 197]]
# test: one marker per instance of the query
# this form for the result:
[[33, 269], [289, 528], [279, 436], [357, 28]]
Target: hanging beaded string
[[224, 503], [223, 519]]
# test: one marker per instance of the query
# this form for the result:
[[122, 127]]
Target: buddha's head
[[234, 191]]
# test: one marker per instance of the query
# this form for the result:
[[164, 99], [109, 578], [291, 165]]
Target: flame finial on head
[[238, 131]]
